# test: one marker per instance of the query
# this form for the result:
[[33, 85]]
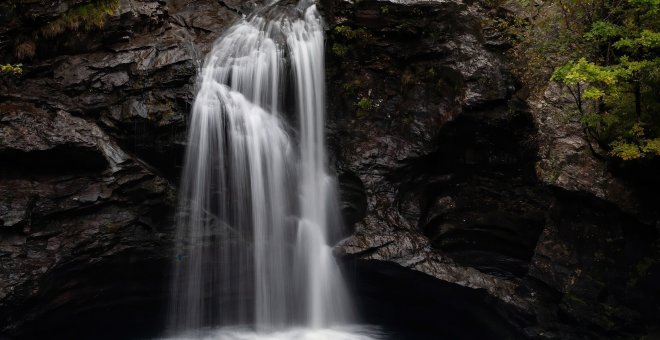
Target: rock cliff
[[91, 138], [455, 172], [472, 207]]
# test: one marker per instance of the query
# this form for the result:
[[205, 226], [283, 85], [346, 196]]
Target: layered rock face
[[464, 199], [91, 136], [450, 171]]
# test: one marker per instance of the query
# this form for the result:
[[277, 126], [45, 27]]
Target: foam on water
[[339, 333]]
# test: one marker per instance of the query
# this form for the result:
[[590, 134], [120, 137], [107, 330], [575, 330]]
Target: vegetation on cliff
[[9, 69], [86, 17], [33, 31], [606, 53]]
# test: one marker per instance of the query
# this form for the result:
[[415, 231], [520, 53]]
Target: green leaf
[[625, 151], [603, 31], [652, 146]]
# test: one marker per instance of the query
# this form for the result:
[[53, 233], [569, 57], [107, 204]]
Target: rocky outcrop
[[424, 123], [134, 77], [470, 183], [73, 204], [91, 136]]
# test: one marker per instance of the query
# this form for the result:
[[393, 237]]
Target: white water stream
[[257, 203]]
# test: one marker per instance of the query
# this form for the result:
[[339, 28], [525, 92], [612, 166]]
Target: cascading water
[[256, 203]]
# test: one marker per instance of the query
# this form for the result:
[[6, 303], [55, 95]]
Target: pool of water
[[354, 332]]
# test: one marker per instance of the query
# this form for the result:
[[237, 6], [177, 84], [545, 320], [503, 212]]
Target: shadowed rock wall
[[456, 174], [91, 138]]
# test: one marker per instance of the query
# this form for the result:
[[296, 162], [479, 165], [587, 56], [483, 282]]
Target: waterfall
[[257, 203]]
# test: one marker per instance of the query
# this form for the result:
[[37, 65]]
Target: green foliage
[[352, 86], [606, 53], [9, 69], [625, 151], [540, 42], [351, 34], [339, 50], [646, 40], [582, 71], [364, 106], [347, 38], [86, 17], [603, 31], [83, 17]]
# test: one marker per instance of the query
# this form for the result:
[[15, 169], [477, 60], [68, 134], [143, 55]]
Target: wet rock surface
[[134, 77], [78, 217], [91, 138], [471, 183], [458, 193]]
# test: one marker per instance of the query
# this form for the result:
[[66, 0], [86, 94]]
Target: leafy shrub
[[14, 70], [607, 56]]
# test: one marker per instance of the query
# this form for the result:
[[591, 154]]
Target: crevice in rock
[[57, 160]]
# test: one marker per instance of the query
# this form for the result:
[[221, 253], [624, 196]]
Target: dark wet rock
[[60, 218], [89, 136], [569, 161], [405, 72], [135, 76], [468, 181], [35, 140], [353, 199], [413, 305]]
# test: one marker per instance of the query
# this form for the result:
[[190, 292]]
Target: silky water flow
[[257, 204]]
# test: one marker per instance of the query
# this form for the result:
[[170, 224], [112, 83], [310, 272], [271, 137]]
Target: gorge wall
[[472, 206], [454, 171]]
